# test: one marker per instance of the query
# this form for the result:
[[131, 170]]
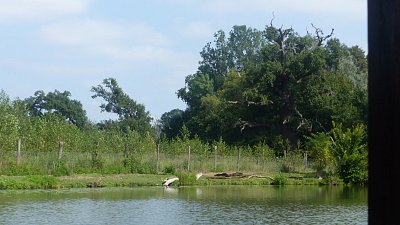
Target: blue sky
[[148, 46]]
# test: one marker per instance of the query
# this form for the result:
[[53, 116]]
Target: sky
[[149, 46]]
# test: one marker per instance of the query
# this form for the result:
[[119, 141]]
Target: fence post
[[238, 160], [158, 157], [215, 158], [263, 160], [188, 166], [126, 150], [18, 151], [60, 149], [305, 159]]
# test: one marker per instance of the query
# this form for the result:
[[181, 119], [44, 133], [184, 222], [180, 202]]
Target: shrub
[[137, 166], [61, 169], [45, 182], [186, 179], [169, 169], [279, 180], [349, 147]]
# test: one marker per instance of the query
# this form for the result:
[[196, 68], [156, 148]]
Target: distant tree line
[[273, 88]]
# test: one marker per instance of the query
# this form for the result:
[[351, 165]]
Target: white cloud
[[132, 43], [94, 33], [110, 39], [199, 29], [21, 10], [356, 9]]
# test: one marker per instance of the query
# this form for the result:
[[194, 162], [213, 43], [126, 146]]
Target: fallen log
[[95, 184]]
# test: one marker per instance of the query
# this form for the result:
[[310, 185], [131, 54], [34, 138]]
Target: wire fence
[[158, 161]]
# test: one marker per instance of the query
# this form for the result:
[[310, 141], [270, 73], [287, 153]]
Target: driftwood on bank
[[95, 184], [237, 175]]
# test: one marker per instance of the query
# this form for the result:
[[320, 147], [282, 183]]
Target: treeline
[[256, 86], [271, 89]]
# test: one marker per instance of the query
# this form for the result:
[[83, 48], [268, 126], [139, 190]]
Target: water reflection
[[187, 205]]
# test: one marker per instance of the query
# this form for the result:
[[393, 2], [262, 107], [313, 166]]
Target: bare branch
[[273, 17], [249, 103], [320, 34], [242, 124]]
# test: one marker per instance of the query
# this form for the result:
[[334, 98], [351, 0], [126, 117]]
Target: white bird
[[199, 175], [169, 181]]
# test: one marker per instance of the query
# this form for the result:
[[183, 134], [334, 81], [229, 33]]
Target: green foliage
[[171, 122], [260, 93], [292, 163], [254, 86], [97, 160], [279, 179], [186, 179], [61, 169], [28, 182], [58, 103], [319, 148], [331, 180], [169, 169], [135, 165], [132, 116], [44, 182], [349, 148], [9, 124]]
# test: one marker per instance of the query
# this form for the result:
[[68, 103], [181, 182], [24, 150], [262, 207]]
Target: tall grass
[[92, 150], [47, 163]]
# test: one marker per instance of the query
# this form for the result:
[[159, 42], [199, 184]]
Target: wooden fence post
[[215, 158], [263, 160], [238, 160], [305, 159], [60, 149], [158, 157], [18, 151], [188, 165]]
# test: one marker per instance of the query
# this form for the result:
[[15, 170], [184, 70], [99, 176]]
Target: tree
[[255, 86], [9, 124], [132, 116], [58, 103], [171, 122]]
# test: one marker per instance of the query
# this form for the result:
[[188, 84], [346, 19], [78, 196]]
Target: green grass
[[76, 170], [132, 180], [46, 163]]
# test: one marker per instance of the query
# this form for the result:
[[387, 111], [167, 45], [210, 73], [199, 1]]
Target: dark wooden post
[[263, 160], [188, 165], [18, 151], [383, 111], [158, 157], [215, 158], [238, 161], [305, 160], [60, 149]]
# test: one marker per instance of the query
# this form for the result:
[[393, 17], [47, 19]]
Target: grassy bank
[[132, 180]]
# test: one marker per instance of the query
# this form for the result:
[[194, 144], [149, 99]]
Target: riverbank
[[132, 180]]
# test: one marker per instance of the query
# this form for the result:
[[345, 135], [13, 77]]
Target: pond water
[[187, 205]]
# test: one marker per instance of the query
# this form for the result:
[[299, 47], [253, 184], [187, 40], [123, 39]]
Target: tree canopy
[[132, 115], [254, 86], [58, 103]]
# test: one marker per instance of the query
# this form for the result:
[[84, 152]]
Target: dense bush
[[350, 151], [346, 149]]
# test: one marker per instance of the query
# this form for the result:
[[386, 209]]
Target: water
[[188, 205]]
